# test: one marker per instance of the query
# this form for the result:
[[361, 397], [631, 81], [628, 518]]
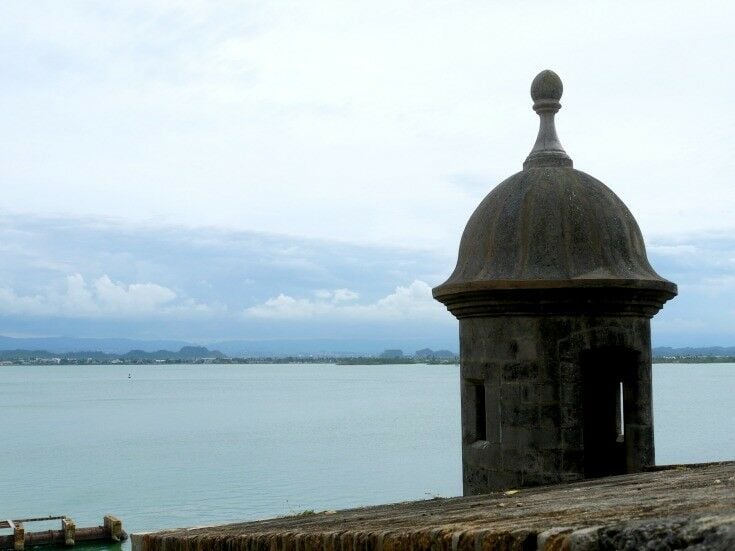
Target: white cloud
[[225, 113], [679, 325], [11, 303], [412, 302], [714, 286], [101, 297], [338, 295], [136, 297], [673, 250], [286, 307], [344, 295]]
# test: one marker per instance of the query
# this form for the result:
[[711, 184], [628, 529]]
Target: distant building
[[392, 354]]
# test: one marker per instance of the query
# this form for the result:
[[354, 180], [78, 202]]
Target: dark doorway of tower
[[608, 390]]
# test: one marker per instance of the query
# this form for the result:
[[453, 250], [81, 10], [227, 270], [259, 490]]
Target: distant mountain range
[[185, 353], [234, 348], [71, 344], [101, 349]]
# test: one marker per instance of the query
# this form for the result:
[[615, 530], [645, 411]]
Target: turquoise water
[[191, 445]]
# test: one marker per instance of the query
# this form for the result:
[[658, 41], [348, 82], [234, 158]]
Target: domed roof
[[551, 226]]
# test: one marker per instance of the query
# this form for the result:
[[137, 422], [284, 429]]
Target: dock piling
[[18, 535], [69, 535], [113, 526], [69, 528]]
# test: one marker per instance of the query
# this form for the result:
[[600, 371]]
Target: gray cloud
[[189, 283], [91, 277], [166, 168], [346, 120]]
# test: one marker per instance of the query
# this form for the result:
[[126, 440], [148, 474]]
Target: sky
[[263, 170]]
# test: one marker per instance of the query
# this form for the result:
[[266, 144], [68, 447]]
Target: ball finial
[[546, 86], [546, 90]]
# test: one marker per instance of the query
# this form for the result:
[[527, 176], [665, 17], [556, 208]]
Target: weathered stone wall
[[687, 507], [531, 368]]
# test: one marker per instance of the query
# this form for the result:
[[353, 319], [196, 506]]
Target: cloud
[[673, 250], [714, 286], [11, 303], [338, 295], [97, 277], [678, 326], [191, 283], [331, 113], [101, 297], [412, 302]]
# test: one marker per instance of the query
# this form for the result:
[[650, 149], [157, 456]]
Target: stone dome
[[551, 226]]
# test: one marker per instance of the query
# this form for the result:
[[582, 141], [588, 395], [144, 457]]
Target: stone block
[[548, 438], [547, 393], [312, 542], [572, 461], [520, 371], [464, 541], [528, 393], [509, 392], [571, 415], [569, 372], [482, 453], [348, 541], [532, 478], [550, 416], [474, 476], [570, 393], [552, 539], [551, 460], [474, 369], [532, 462], [527, 348], [502, 480], [571, 438], [585, 539], [395, 541], [517, 438], [521, 415]]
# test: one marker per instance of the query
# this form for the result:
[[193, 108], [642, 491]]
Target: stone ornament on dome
[[546, 91]]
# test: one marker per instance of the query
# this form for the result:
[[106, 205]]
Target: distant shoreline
[[235, 361], [346, 361], [695, 360], [195, 355]]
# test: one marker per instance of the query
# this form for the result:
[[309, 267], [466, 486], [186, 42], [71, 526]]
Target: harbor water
[[183, 445]]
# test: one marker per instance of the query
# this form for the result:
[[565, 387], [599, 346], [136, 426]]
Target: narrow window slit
[[480, 413], [620, 413]]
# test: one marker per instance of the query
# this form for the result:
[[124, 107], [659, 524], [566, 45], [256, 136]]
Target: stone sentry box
[[554, 295]]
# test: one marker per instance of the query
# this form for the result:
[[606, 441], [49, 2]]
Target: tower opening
[[606, 388]]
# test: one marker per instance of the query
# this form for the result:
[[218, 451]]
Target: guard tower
[[554, 295]]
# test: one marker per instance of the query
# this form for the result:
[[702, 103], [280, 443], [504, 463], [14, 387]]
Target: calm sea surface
[[191, 445]]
